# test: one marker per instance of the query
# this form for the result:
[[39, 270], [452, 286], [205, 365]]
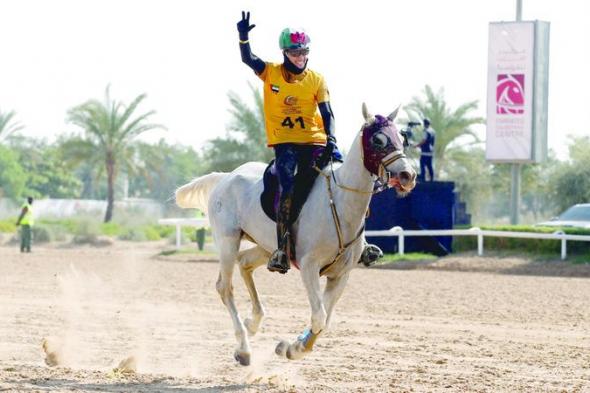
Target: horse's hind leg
[[228, 252], [248, 261]]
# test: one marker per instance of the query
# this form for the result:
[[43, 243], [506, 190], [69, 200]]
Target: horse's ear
[[368, 117], [393, 114]]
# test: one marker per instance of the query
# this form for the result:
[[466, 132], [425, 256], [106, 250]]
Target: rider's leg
[[286, 164]]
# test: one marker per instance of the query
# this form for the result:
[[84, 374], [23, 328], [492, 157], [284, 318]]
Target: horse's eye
[[379, 140]]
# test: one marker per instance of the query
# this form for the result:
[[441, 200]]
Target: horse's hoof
[[242, 358], [295, 351], [281, 348]]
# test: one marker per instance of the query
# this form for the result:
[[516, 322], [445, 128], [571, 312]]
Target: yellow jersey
[[291, 112]]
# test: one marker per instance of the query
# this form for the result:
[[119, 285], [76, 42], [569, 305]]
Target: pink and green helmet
[[293, 39]]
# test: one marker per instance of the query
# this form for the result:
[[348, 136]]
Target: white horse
[[328, 232]]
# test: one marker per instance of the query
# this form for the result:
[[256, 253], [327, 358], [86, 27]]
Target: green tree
[[569, 183], [536, 201], [472, 175], [245, 139], [13, 177], [109, 132], [7, 124], [453, 127], [47, 173], [162, 168]]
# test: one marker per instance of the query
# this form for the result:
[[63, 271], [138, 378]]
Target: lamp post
[[516, 168]]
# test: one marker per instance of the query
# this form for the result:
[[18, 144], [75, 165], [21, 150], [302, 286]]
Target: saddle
[[304, 180]]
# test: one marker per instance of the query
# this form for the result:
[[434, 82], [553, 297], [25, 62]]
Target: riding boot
[[371, 253], [280, 259]]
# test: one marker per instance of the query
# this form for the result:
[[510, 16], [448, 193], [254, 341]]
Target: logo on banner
[[510, 94]]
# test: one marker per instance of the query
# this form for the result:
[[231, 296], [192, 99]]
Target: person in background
[[25, 221], [426, 146], [200, 232]]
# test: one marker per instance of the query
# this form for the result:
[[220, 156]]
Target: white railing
[[401, 233], [183, 222]]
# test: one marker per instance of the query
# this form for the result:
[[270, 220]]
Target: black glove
[[244, 26], [331, 144]]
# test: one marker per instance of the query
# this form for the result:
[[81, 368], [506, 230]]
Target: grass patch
[[538, 247], [409, 257], [8, 226], [579, 259], [85, 228], [574, 259]]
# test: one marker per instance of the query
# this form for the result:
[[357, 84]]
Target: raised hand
[[244, 25]]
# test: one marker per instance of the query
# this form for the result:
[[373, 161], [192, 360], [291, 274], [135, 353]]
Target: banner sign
[[517, 92]]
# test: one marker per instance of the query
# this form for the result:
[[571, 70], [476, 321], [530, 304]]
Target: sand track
[[464, 324]]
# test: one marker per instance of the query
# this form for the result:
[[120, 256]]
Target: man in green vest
[[200, 233], [26, 220]]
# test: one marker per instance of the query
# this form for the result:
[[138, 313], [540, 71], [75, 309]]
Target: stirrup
[[279, 262], [371, 253]]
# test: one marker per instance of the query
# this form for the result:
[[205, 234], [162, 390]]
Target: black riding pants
[[291, 158]]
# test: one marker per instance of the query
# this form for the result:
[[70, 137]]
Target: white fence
[[183, 222], [401, 234]]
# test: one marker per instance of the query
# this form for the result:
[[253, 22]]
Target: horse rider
[[293, 94], [426, 146]]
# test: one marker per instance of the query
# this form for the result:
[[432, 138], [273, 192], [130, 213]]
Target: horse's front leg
[[334, 288], [310, 274]]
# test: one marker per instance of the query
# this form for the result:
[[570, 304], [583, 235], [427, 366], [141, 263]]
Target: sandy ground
[[459, 324]]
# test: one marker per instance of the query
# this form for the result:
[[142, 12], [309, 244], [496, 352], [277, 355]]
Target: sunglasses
[[298, 52]]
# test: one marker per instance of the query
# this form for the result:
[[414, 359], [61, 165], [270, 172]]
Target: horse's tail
[[196, 193]]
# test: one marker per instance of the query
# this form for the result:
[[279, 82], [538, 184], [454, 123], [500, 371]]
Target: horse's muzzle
[[404, 181]]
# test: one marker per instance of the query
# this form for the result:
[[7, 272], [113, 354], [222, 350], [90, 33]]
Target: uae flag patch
[[274, 88]]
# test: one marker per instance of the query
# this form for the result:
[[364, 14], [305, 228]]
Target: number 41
[[287, 122]]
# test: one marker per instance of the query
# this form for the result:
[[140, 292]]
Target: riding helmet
[[293, 39]]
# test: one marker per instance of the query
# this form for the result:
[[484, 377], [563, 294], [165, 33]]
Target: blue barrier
[[431, 205]]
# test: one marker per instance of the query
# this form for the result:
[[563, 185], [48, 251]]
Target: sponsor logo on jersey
[[290, 100]]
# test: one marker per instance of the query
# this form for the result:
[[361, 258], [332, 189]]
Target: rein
[[379, 185], [343, 186], [341, 246]]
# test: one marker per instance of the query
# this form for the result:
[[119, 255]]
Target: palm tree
[[245, 139], [7, 126], [109, 132], [450, 125]]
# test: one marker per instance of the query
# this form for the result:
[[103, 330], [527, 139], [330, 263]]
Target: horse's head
[[383, 152]]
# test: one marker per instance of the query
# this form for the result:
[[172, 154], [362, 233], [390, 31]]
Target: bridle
[[383, 177], [377, 167]]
